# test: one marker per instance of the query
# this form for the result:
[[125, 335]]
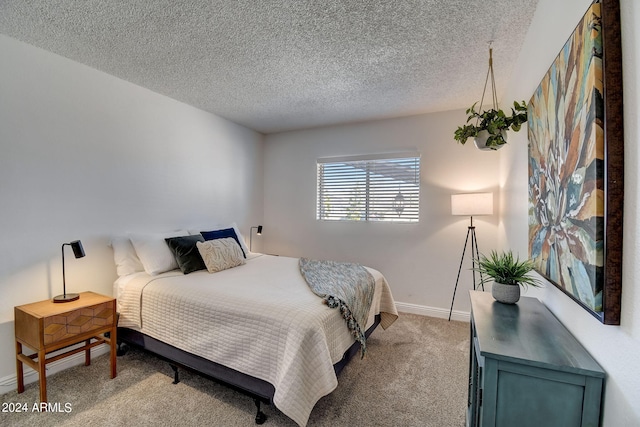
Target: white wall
[[84, 155], [147, 162], [616, 348], [420, 261]]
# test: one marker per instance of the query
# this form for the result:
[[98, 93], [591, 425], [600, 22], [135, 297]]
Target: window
[[385, 187]]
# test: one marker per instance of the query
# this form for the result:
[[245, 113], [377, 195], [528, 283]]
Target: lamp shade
[[472, 204], [78, 250]]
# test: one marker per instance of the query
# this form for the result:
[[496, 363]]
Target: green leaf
[[494, 121], [504, 268]]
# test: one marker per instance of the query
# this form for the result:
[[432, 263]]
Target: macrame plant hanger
[[480, 144], [494, 96]]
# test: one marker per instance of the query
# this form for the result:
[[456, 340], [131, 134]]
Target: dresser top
[[48, 308], [527, 332]]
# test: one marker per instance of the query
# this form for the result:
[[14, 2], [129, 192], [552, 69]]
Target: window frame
[[381, 161]]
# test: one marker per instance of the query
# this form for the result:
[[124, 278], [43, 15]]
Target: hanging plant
[[490, 128], [494, 122]]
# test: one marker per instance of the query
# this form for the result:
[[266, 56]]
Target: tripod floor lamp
[[472, 204]]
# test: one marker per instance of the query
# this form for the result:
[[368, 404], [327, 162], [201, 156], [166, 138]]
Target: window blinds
[[369, 188]]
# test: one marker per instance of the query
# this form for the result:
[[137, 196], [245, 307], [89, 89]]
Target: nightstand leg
[[42, 373], [19, 368], [113, 341], [87, 353]]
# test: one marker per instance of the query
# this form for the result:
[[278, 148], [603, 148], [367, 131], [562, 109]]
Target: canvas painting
[[567, 167]]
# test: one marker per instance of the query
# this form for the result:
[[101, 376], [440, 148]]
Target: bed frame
[[261, 391]]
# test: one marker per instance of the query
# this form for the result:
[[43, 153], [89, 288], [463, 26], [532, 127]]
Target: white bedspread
[[260, 318]]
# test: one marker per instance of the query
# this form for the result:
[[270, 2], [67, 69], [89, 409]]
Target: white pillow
[[124, 255], [153, 251], [220, 254]]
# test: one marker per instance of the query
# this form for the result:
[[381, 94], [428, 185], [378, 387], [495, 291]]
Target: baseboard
[[424, 310], [10, 382]]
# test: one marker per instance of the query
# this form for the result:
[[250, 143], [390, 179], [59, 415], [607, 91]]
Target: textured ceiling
[[274, 65]]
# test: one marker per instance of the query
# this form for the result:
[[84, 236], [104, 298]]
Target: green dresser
[[527, 370]]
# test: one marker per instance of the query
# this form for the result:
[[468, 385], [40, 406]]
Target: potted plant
[[491, 126], [508, 274]]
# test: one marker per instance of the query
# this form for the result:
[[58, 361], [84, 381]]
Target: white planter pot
[[481, 141], [506, 294]]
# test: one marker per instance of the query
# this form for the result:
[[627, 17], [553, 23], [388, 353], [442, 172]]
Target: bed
[[257, 327]]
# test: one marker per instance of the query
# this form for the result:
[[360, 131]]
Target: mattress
[[260, 319]]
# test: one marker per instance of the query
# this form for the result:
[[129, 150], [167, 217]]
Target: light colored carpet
[[415, 374]]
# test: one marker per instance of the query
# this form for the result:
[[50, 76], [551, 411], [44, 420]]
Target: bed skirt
[[256, 388]]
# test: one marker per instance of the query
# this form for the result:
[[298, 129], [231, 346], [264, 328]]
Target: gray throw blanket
[[347, 286]]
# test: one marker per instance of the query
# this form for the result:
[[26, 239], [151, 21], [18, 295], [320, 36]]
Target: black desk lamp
[[78, 251], [258, 233]]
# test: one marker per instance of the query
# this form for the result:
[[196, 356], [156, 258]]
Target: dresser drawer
[[67, 325]]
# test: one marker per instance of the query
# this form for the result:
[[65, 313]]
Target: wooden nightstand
[[46, 327]]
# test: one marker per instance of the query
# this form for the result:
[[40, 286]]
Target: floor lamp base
[[471, 231]]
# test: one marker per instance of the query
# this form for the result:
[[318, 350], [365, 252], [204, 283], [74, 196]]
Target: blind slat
[[369, 189]]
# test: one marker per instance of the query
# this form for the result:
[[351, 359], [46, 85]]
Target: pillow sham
[[186, 253], [243, 245], [153, 251], [125, 257], [220, 254], [221, 234]]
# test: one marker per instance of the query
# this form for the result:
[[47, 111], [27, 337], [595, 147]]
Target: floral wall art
[[575, 166]]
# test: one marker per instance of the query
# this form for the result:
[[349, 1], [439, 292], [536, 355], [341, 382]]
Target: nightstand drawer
[[66, 325]]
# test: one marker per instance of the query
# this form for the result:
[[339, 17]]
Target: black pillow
[[186, 253], [221, 234]]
